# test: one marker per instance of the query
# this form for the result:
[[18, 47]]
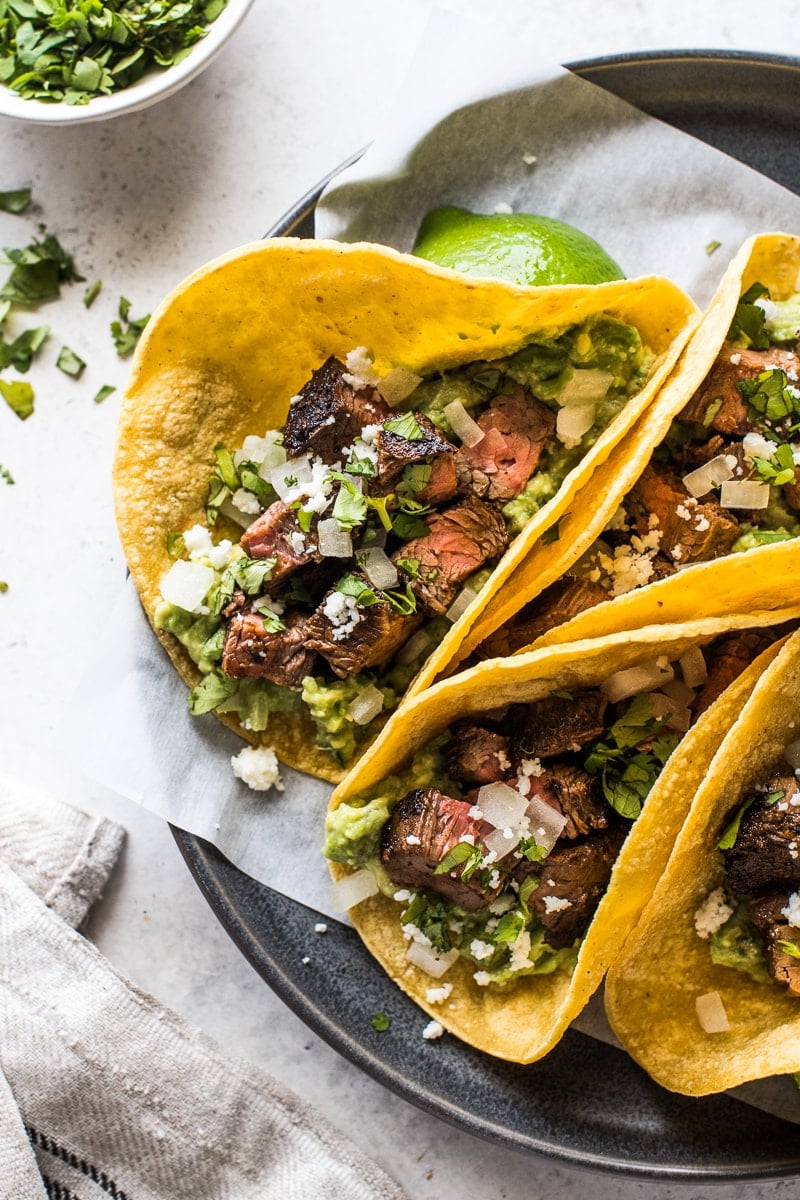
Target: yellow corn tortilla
[[760, 578], [651, 989], [523, 1020], [228, 348]]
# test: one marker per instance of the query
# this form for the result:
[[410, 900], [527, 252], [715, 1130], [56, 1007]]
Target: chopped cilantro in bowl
[[63, 61]]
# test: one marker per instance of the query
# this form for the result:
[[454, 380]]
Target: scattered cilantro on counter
[[126, 332], [381, 1022], [69, 362], [6, 475], [53, 51], [712, 246], [18, 396], [15, 201], [20, 353], [104, 392], [3, 586], [92, 292], [38, 270]]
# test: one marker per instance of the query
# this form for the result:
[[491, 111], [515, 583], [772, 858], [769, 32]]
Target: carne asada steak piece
[[558, 603], [328, 413], [732, 415], [766, 914], [476, 755], [726, 657], [425, 826], [559, 724], [460, 540], [575, 794], [572, 880], [352, 637], [791, 491], [429, 447], [766, 853], [515, 429], [277, 534], [691, 531], [251, 652]]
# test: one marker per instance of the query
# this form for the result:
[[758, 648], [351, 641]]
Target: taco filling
[[372, 518], [752, 919], [499, 840], [725, 479]]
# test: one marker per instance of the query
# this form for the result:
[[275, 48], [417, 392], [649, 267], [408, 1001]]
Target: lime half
[[520, 247]]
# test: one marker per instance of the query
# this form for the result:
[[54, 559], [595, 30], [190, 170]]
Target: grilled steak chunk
[[691, 531], [396, 452], [572, 882], [576, 795], [726, 658], [557, 604], [352, 638], [791, 491], [277, 533], [766, 914], [424, 826], [328, 413], [766, 853], [251, 652], [732, 417], [559, 724], [460, 540], [476, 755], [515, 429]]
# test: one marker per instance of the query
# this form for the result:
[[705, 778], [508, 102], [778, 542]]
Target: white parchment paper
[[468, 118]]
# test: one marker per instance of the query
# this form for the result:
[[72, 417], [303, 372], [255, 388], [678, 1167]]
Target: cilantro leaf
[[630, 759], [381, 1022], [70, 363], [405, 426], [15, 201], [21, 352], [6, 475], [92, 292], [104, 392], [747, 327], [18, 396], [126, 331]]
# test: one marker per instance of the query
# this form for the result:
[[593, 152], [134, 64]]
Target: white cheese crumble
[[320, 927], [792, 910], [503, 208], [257, 766], [297, 541], [413, 840], [482, 978], [712, 913], [756, 446], [360, 371], [480, 950], [438, 995], [343, 614], [432, 1030], [403, 895], [556, 903], [197, 541], [246, 502], [520, 952], [476, 813], [736, 358]]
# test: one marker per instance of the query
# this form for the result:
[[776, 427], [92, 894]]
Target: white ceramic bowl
[[150, 88]]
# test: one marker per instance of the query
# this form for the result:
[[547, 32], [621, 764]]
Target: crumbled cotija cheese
[[257, 766], [792, 910], [438, 995], [556, 903], [712, 913], [360, 371], [432, 1030]]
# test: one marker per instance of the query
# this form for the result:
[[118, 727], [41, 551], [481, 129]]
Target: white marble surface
[[141, 201]]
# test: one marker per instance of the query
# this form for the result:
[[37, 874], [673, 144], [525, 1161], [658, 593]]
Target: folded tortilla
[[665, 966], [522, 1020], [227, 349], [760, 578]]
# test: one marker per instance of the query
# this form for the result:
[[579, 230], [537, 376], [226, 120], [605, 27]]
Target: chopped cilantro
[[790, 948], [769, 395], [57, 52], [70, 363], [462, 852], [127, 330], [529, 848], [779, 469], [15, 201], [747, 326], [92, 292], [210, 692], [3, 586], [629, 772], [381, 1022], [272, 622], [176, 546], [38, 271], [20, 353], [350, 506], [405, 426], [18, 396], [104, 392], [6, 475], [712, 246]]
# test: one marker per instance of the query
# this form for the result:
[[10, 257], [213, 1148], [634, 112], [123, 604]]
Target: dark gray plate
[[585, 1103]]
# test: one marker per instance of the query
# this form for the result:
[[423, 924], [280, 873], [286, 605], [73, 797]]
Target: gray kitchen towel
[[104, 1092]]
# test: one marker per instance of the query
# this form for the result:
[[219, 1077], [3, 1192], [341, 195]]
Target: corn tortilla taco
[[330, 457], [499, 839], [706, 993], [699, 507]]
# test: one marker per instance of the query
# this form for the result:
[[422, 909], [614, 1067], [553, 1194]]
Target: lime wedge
[[520, 247]]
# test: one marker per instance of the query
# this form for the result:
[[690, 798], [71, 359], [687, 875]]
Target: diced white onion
[[334, 542], [546, 822], [398, 385], [352, 889], [501, 805], [433, 962], [792, 754], [229, 510], [637, 679], [677, 716], [253, 450], [468, 431], [711, 1013], [585, 387], [378, 567], [296, 470], [744, 493], [573, 422], [274, 456], [680, 692], [366, 705], [498, 843], [716, 470], [415, 646], [186, 584], [693, 667], [461, 604]]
